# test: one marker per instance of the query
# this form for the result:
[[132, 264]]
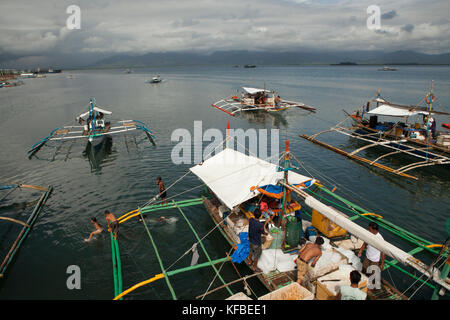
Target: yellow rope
[[140, 284], [126, 214], [372, 214]]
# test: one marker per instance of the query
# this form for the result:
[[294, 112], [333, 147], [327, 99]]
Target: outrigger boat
[[95, 129], [26, 226], [155, 79], [254, 99], [419, 138], [235, 183]]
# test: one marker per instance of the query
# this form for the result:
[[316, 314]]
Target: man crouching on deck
[[305, 254]]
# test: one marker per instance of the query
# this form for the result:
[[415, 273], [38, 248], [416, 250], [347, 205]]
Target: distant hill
[[272, 58]]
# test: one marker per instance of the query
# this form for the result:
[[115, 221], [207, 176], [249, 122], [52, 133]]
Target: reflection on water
[[96, 152]]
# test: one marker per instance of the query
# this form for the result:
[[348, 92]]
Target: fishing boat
[[8, 84], [255, 99], [236, 182], [413, 132], [155, 79], [94, 128], [387, 69]]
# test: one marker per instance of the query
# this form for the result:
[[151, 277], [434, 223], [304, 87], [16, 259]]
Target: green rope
[[119, 267], [204, 250], [159, 258], [113, 254]]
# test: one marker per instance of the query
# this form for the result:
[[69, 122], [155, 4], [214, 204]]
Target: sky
[[36, 31]]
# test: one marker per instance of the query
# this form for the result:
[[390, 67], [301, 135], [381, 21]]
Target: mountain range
[[272, 58]]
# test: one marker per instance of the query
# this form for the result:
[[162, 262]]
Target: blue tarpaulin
[[242, 249]]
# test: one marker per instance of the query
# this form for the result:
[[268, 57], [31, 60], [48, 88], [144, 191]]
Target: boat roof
[[96, 109], [387, 110], [396, 110], [254, 90], [231, 175]]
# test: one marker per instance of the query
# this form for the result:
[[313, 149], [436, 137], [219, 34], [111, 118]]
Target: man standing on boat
[[162, 190], [373, 256], [305, 254], [255, 229]]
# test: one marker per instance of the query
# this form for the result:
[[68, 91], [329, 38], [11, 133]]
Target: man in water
[[162, 190], [305, 254], [113, 224], [98, 229], [373, 256], [352, 292], [255, 229]]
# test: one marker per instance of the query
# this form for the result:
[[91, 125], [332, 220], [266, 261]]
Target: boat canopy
[[96, 109], [254, 90], [234, 177], [387, 110]]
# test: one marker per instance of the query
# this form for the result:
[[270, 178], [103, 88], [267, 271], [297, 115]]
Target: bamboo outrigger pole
[[24, 232], [355, 157]]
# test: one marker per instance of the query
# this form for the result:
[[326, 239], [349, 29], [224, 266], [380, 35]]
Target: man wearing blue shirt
[[255, 230]]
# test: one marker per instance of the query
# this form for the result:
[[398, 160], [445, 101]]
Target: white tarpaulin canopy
[[96, 109], [230, 175], [254, 90], [386, 110]]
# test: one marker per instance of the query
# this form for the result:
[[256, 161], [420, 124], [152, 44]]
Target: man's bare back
[[310, 251]]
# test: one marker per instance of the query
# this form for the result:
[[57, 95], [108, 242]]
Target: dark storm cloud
[[38, 29], [408, 28], [389, 15]]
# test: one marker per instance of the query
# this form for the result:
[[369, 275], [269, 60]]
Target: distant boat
[[249, 66], [155, 79], [28, 75], [387, 69], [127, 71], [254, 99]]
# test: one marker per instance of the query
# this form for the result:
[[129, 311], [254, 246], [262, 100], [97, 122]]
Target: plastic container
[[293, 291], [278, 236], [325, 226], [293, 231]]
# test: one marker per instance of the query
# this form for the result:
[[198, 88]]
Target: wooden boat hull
[[271, 281]]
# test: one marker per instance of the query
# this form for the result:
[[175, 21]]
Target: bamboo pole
[[159, 259], [203, 248], [168, 274], [16, 221], [24, 232], [345, 153], [228, 284]]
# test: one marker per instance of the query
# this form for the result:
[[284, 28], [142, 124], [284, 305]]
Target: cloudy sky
[[33, 31]]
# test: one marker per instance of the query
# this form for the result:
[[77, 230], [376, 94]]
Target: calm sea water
[[124, 178]]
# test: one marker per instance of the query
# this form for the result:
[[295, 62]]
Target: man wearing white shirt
[[373, 256]]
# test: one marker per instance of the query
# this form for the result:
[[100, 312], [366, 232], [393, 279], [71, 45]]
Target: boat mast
[[91, 116], [285, 190]]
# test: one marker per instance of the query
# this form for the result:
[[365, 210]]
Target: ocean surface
[[123, 177]]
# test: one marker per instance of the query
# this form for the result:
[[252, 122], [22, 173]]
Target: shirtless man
[[305, 254], [98, 229], [113, 224], [162, 190]]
